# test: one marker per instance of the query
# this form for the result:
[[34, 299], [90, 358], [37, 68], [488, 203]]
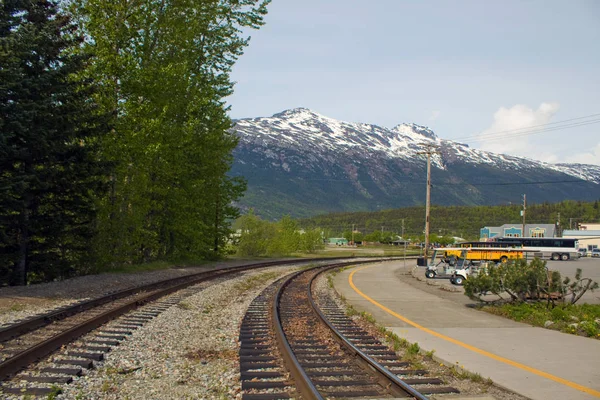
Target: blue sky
[[466, 69]]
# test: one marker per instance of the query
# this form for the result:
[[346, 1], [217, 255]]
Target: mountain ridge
[[360, 167]]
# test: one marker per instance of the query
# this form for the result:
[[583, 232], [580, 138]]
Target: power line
[[535, 131], [535, 128]]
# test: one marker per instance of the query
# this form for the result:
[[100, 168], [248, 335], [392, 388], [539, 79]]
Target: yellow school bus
[[496, 254]]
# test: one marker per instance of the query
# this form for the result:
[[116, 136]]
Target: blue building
[[516, 230]]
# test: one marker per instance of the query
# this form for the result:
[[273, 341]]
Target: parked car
[[596, 253], [582, 252]]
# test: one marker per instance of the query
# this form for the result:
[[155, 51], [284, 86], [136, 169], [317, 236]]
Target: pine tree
[[49, 170]]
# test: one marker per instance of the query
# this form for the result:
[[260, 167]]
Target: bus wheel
[[458, 280], [555, 256], [564, 257], [452, 261], [503, 259], [429, 274]]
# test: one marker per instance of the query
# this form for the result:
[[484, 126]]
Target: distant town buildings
[[516, 230], [588, 235], [338, 241]]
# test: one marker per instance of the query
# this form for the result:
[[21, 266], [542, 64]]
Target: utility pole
[[429, 152], [404, 240], [523, 214]]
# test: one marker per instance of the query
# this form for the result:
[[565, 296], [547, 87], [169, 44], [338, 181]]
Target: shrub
[[524, 281]]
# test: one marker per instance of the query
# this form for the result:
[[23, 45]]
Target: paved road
[[590, 268], [535, 362]]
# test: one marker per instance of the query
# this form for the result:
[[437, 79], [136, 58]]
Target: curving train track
[[54, 347], [295, 342]]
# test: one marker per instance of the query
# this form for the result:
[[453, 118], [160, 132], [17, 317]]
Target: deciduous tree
[[164, 67]]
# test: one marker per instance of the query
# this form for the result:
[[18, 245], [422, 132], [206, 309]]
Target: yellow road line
[[469, 347]]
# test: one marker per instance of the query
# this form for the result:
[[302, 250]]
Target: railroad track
[[295, 342], [48, 349]]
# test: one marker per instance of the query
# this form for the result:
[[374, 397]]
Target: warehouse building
[[588, 235]]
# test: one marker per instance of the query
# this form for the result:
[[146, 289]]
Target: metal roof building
[[516, 230], [588, 235]]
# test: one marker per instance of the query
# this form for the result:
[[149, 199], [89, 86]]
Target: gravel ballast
[[187, 352], [19, 302]]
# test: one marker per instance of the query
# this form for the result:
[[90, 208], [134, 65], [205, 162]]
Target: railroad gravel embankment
[[187, 352], [19, 302]]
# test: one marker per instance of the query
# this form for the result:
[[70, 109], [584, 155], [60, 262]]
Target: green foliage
[[164, 68], [448, 221], [413, 348], [254, 237], [283, 238], [311, 241], [524, 281], [54, 393], [50, 169], [569, 318], [286, 238]]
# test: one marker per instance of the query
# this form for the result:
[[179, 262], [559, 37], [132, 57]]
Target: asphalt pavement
[[538, 363]]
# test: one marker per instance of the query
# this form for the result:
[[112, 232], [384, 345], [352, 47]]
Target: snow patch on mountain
[[310, 133], [586, 172]]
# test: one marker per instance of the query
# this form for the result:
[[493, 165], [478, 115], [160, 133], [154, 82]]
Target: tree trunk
[[216, 246], [20, 273]]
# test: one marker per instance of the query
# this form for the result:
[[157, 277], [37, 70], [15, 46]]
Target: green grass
[[256, 281], [562, 317], [463, 374]]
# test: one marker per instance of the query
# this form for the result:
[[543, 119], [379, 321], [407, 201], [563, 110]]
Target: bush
[[527, 282]]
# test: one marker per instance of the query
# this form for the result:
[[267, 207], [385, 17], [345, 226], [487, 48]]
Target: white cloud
[[588, 155], [509, 133]]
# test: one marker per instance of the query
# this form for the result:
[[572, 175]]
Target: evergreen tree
[[49, 172]]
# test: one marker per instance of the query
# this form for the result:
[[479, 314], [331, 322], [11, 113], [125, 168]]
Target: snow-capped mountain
[[301, 163]]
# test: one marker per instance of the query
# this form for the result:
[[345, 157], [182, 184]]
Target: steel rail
[[302, 382], [21, 360], [29, 325], [399, 386], [34, 323], [14, 364]]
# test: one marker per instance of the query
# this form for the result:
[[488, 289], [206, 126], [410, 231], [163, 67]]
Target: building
[[588, 235], [516, 230], [338, 241]]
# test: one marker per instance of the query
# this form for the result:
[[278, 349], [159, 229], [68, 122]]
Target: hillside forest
[[452, 221]]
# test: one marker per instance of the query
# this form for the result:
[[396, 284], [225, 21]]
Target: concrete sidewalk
[[538, 363]]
